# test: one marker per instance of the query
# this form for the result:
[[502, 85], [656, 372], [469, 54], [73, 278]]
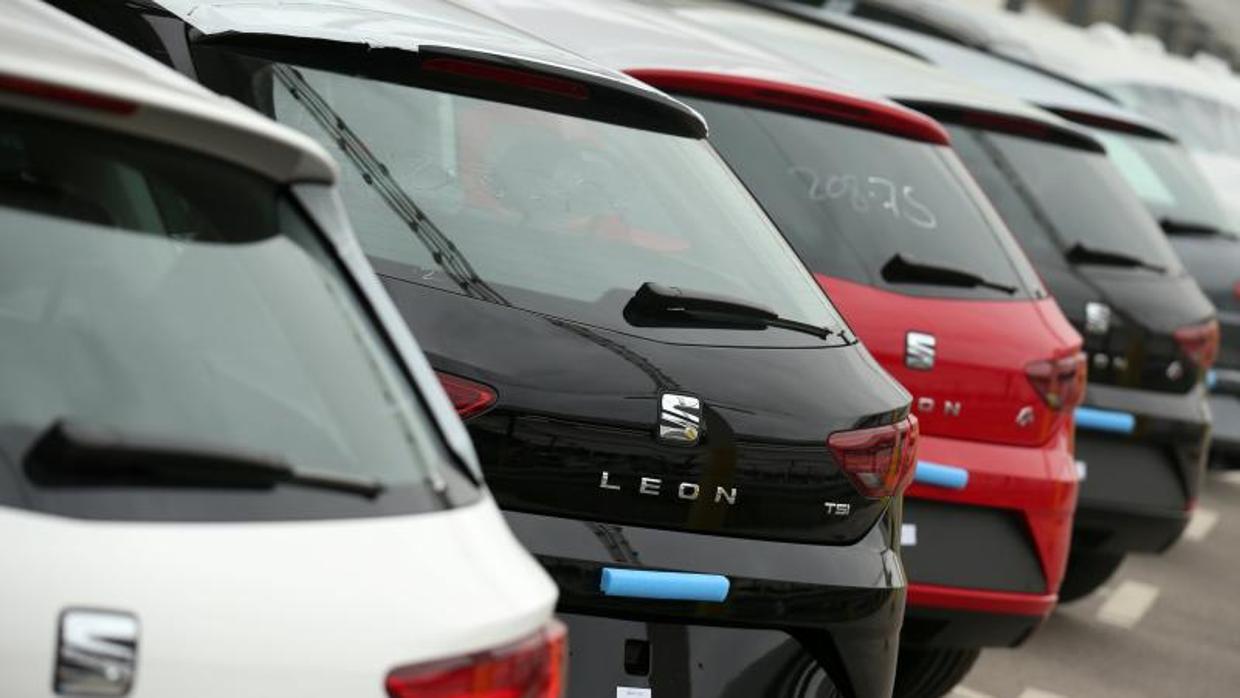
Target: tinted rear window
[[1166, 179], [540, 211], [160, 294], [851, 200], [1054, 197]]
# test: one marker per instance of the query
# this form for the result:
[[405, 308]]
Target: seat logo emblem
[[1025, 416], [680, 419], [97, 653], [1097, 318], [919, 351]]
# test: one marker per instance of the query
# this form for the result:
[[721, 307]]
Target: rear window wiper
[[901, 269], [656, 305], [75, 455], [1175, 226], [1079, 253]]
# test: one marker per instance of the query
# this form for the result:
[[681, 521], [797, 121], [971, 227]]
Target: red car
[[878, 206]]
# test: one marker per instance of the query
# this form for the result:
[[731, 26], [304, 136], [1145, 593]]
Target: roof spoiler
[[1107, 122], [486, 75], [815, 102], [1014, 124]]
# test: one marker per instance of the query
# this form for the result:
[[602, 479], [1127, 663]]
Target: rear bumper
[[841, 605], [986, 560], [1143, 473]]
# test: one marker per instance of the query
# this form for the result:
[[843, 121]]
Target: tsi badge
[[680, 419], [919, 351], [97, 654]]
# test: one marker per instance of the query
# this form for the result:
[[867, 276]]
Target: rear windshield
[[853, 202], [167, 297], [1167, 181], [1203, 123], [551, 213], [1055, 198]]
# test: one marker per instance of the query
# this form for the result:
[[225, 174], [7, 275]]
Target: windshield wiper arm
[[656, 305], [74, 455], [901, 269], [1079, 253], [1175, 226]]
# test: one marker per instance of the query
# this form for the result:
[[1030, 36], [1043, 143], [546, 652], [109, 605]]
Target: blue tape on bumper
[[678, 586], [1105, 420], [1211, 379], [935, 475]]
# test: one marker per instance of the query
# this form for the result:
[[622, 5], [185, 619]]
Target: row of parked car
[[761, 349]]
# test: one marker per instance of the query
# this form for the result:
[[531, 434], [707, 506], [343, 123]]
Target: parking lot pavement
[[1164, 626]]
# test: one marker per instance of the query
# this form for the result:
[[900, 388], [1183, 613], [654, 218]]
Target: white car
[[226, 468]]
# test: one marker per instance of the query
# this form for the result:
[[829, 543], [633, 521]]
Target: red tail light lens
[[531, 668], [1200, 342], [1236, 289], [65, 95], [1060, 382], [469, 398], [880, 461]]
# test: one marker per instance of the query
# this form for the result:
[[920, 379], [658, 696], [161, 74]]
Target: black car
[[713, 482]]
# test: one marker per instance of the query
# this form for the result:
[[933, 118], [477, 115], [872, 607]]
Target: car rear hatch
[[907, 247], [631, 339]]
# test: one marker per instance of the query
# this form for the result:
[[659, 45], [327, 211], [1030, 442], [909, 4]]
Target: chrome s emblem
[[680, 419], [1097, 318], [1175, 371], [97, 653], [919, 351], [1025, 416]]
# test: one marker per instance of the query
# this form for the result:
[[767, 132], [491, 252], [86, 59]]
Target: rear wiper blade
[[71, 454], [901, 269], [1175, 226], [656, 305], [1079, 253]]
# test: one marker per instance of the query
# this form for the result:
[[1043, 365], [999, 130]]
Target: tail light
[[1236, 289], [66, 95], [1200, 342], [469, 398], [880, 461], [530, 668], [1060, 382]]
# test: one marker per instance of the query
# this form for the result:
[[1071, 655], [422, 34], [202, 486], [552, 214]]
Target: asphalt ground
[[1164, 626]]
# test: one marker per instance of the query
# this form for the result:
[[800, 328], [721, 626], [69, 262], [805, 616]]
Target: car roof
[[56, 65], [1052, 92], [809, 38], [1098, 56], [655, 44], [421, 26]]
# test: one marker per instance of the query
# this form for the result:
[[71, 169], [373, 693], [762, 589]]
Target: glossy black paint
[[1137, 492], [843, 605], [577, 401]]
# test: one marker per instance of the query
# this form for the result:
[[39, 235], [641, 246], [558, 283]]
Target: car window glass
[[850, 200], [164, 294], [541, 211]]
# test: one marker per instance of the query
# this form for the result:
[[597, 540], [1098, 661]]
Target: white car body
[[323, 607]]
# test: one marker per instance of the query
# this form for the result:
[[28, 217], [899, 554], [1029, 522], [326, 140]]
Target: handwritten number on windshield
[[869, 195]]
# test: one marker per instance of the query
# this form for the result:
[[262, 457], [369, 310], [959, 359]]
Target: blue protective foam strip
[[1105, 420], [937, 475], [678, 586]]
